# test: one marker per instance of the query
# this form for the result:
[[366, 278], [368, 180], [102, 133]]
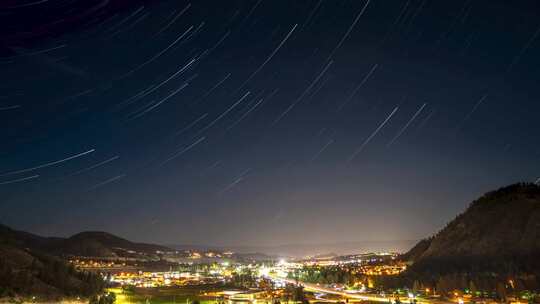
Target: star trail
[[250, 122]]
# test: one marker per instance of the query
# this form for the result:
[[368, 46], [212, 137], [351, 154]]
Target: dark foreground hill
[[501, 225], [34, 265], [24, 271], [493, 246]]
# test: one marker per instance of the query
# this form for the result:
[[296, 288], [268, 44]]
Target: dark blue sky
[[263, 122]]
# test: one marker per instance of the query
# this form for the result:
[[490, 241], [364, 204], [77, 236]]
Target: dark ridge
[[25, 270], [499, 233]]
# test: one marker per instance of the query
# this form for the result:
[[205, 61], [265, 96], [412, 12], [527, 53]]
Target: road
[[365, 297]]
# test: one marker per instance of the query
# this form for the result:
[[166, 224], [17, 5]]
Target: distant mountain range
[[302, 250], [499, 232], [88, 244]]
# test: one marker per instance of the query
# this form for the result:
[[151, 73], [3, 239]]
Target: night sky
[[263, 122]]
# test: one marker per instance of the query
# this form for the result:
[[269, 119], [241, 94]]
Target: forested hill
[[35, 265], [103, 244], [88, 244], [495, 241], [501, 224], [25, 272]]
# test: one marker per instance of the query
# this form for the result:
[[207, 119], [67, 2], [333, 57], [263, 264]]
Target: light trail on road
[[364, 297]]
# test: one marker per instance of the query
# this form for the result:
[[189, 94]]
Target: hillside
[[33, 265], [499, 233], [102, 244], [88, 244], [25, 271]]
